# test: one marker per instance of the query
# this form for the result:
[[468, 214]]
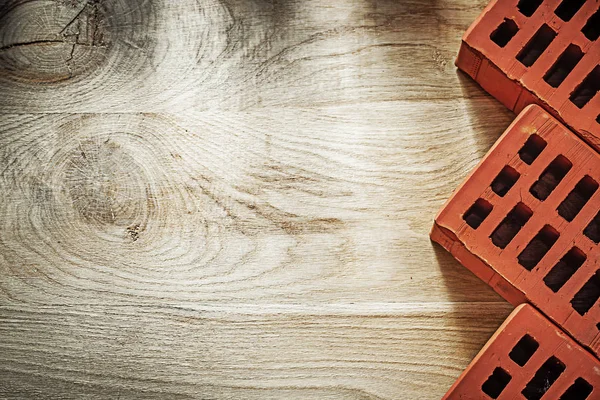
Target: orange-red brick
[[529, 358], [507, 226], [514, 51]]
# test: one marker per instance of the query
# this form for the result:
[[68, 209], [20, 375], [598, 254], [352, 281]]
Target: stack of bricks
[[527, 219]]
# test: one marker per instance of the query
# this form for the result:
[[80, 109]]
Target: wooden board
[[232, 199]]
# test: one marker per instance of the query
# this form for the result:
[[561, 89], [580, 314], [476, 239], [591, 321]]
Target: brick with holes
[[529, 358], [544, 52], [527, 222]]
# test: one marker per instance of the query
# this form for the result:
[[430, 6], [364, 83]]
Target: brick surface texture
[[540, 52], [527, 222], [529, 358]]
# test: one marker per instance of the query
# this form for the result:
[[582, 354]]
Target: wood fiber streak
[[232, 199], [328, 352]]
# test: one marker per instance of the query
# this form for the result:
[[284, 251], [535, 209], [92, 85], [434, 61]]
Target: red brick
[[517, 84], [472, 225], [527, 358]]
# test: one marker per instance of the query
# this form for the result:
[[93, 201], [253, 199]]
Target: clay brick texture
[[529, 358], [527, 222], [544, 52]]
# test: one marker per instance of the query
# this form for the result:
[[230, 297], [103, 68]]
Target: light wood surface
[[231, 199]]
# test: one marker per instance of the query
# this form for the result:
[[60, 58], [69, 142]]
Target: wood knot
[[105, 184], [46, 42]]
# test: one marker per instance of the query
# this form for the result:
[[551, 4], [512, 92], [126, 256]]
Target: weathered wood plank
[[231, 199], [249, 352], [294, 205], [157, 56]]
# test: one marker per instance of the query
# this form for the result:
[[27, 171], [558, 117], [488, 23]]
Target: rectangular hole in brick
[[567, 61], [505, 180], [532, 148], [528, 7], [587, 89], [504, 32], [511, 225], [588, 295], [538, 247], [591, 30], [564, 269], [592, 231], [579, 390], [478, 212], [523, 350], [543, 379], [578, 198], [536, 46], [598, 119], [551, 177], [568, 8], [496, 383]]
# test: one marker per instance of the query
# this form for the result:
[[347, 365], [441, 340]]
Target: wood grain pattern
[[241, 351], [232, 199]]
